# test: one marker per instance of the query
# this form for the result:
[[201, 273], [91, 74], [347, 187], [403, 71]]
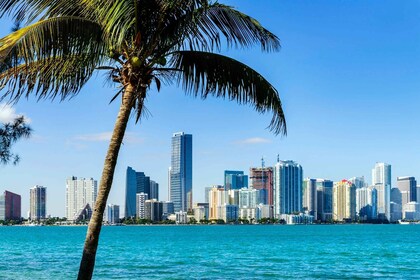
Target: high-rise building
[[181, 172], [113, 214], [153, 210], [262, 180], [154, 190], [358, 182], [395, 205], [167, 208], [79, 193], [344, 201], [408, 189], [235, 180], [309, 202], [136, 182], [141, 205], [366, 203], [248, 198], [288, 179], [324, 191], [217, 198], [381, 181], [206, 194], [10, 206], [37, 203]]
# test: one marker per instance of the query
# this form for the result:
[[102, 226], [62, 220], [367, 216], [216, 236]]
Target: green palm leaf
[[204, 73]]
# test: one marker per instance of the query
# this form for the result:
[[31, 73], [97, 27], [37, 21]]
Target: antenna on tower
[[262, 162], [278, 158]]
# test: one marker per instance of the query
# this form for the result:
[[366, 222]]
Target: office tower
[[408, 189], [154, 190], [366, 203], [248, 198], [79, 193], [381, 181], [235, 180], [358, 182], [411, 211], [37, 203], [140, 205], [324, 192], [181, 172], [113, 214], [396, 211], [309, 202], [344, 201], [167, 208], [10, 206], [262, 179], [136, 182], [288, 179]]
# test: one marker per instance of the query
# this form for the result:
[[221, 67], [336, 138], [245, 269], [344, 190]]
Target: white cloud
[[254, 140], [8, 114], [130, 138]]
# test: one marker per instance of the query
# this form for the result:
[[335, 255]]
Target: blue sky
[[348, 74]]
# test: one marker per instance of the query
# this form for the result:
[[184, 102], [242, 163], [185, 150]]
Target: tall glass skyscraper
[[235, 180], [381, 181], [136, 182], [181, 172], [288, 179], [37, 204]]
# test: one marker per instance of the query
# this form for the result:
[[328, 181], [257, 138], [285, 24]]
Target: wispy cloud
[[254, 140], [130, 137], [8, 114]]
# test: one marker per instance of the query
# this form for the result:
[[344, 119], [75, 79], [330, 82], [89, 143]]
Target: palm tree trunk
[[87, 263]]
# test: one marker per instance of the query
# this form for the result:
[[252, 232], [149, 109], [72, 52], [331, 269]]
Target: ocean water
[[216, 252]]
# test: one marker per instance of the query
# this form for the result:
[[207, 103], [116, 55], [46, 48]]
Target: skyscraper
[[366, 203], [381, 181], [262, 180], [37, 203], [235, 180], [141, 204], [408, 189], [181, 172], [79, 193], [113, 214], [136, 182], [309, 202], [10, 206], [324, 191], [344, 201], [154, 190], [288, 179]]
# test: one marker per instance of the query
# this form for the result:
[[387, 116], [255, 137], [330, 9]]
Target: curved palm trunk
[[87, 263]]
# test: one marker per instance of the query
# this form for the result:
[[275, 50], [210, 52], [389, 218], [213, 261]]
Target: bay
[[216, 252]]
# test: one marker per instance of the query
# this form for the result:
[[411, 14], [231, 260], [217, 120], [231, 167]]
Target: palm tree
[[9, 134], [140, 43]]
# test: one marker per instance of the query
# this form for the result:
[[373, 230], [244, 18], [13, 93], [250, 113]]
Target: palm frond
[[62, 76], [205, 74], [53, 37]]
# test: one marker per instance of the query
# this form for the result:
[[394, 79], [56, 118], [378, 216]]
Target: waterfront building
[[84, 214], [309, 201], [181, 172], [264, 211], [297, 219], [324, 193], [206, 209], [228, 213], [396, 212], [217, 198], [381, 180], [366, 203], [79, 193], [249, 214], [288, 179], [233, 196], [153, 210], [136, 182], [344, 201], [411, 211], [10, 206], [358, 182], [113, 214], [37, 203], [235, 180], [167, 209], [154, 190], [200, 213], [248, 198], [418, 193], [181, 217], [141, 205], [408, 188], [262, 180]]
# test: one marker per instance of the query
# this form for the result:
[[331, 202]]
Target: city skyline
[[336, 105]]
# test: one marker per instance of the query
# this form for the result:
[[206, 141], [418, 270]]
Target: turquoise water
[[216, 252]]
